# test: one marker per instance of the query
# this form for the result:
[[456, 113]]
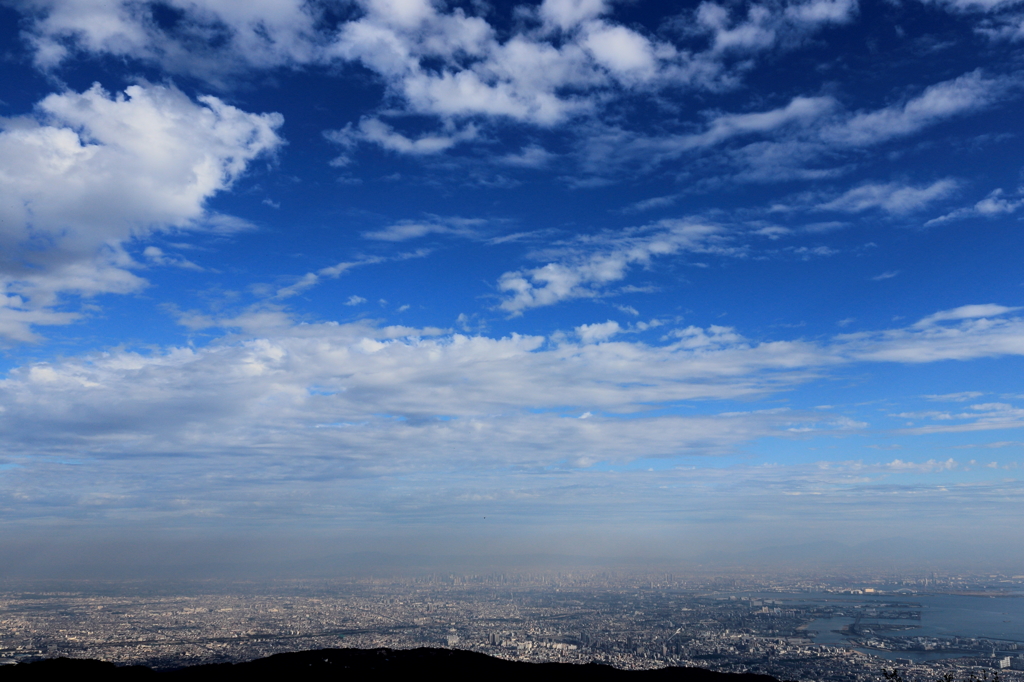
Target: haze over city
[[317, 288]]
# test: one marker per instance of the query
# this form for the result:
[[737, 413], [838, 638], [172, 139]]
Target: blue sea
[[942, 615]]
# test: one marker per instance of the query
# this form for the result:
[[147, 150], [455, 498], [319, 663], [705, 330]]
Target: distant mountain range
[[360, 664]]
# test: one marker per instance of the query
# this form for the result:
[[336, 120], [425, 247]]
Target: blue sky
[[623, 280]]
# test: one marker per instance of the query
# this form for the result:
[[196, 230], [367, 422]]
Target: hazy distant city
[[795, 628]]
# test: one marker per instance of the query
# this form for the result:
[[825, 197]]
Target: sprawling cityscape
[[793, 628]]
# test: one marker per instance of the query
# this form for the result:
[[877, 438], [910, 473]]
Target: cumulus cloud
[[622, 51], [90, 171], [568, 14], [564, 58], [597, 332]]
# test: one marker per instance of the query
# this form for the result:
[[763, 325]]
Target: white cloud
[[823, 11], [966, 312], [377, 132], [715, 336], [891, 197], [254, 34], [982, 330], [312, 279], [1004, 26], [597, 332], [624, 52], [312, 406], [568, 14], [382, 389], [652, 203], [565, 59], [968, 93], [90, 171], [274, 390], [756, 32], [801, 110], [810, 138], [992, 206], [799, 154], [961, 397], [982, 417], [764, 26], [531, 156], [156, 256], [17, 319], [412, 229], [591, 263], [974, 5], [607, 149]]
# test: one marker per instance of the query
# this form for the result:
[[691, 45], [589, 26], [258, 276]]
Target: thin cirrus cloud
[[995, 205], [982, 417], [412, 229], [375, 131], [312, 279], [808, 138], [894, 198], [588, 265], [961, 95]]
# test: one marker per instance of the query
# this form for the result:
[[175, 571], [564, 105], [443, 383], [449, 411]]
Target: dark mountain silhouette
[[363, 664]]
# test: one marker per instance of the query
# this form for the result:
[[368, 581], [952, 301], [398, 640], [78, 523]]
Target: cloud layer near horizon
[[345, 403]]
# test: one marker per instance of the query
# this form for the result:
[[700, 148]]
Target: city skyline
[[288, 283]]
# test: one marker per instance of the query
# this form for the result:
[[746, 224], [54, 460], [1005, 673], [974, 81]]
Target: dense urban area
[[732, 624]]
